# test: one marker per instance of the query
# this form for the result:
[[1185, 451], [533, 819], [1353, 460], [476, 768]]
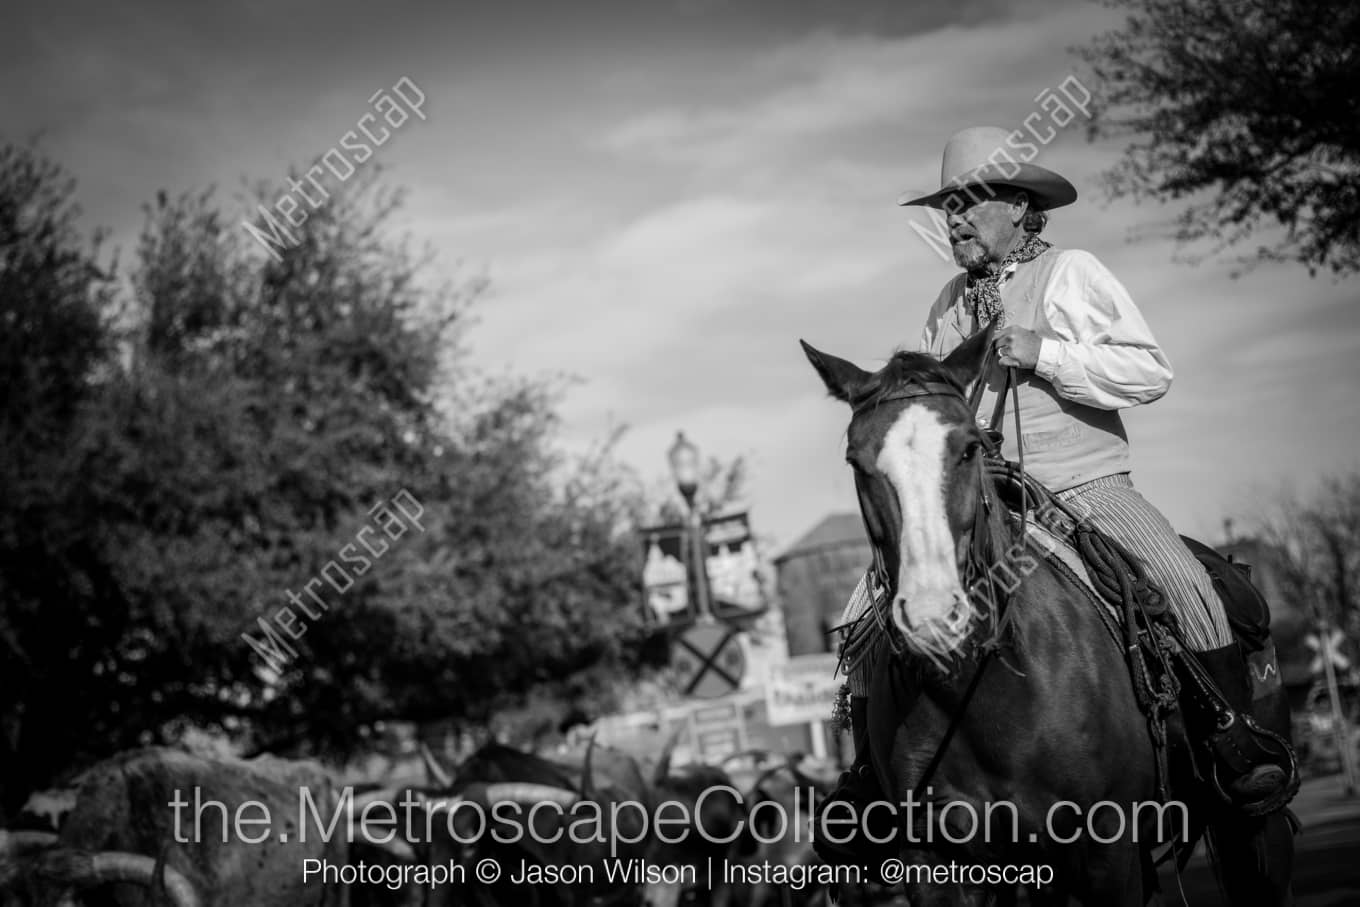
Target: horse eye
[[970, 451]]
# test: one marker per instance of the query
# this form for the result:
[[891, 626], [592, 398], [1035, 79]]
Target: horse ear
[[966, 362], [841, 378]]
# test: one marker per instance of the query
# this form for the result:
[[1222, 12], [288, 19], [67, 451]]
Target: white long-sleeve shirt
[[1104, 356]]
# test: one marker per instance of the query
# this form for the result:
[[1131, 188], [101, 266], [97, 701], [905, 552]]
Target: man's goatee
[[970, 255]]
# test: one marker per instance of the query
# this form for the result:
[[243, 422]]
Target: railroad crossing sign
[[1327, 645], [708, 660]]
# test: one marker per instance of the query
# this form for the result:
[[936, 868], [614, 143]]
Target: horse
[[1014, 705]]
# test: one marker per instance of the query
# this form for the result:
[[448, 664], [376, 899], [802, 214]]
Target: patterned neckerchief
[[982, 292]]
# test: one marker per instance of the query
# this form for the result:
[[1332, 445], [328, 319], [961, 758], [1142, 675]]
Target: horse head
[[915, 451]]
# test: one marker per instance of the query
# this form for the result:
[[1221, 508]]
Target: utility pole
[[1340, 724]]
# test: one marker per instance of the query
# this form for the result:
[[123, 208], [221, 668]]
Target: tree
[[181, 498], [1321, 536], [1249, 109], [55, 347]]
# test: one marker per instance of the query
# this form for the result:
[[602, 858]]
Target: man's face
[[983, 224]]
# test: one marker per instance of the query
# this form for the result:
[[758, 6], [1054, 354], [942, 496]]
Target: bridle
[[880, 583]]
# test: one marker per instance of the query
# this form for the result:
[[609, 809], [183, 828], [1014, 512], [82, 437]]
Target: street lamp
[[684, 457]]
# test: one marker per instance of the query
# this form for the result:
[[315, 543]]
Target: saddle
[[1248, 612], [1248, 616], [1160, 663]]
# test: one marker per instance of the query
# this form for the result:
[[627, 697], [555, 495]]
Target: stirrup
[[1235, 745], [1260, 783], [1245, 757]]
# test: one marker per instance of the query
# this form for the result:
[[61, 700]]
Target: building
[[815, 577]]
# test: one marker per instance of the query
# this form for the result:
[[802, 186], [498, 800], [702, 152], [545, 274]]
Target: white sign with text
[[801, 690]]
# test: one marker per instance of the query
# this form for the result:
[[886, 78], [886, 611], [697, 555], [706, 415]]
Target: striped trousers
[[1112, 505]]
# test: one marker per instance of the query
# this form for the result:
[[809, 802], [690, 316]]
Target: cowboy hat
[[988, 155]]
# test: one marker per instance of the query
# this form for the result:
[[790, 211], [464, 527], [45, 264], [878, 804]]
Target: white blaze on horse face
[[931, 609]]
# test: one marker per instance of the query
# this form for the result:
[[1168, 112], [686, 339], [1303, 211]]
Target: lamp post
[[684, 458]]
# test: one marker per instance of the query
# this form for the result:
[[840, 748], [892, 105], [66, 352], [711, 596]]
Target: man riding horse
[[1081, 351]]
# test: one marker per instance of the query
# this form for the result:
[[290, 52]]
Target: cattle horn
[[804, 779], [19, 843], [379, 795], [392, 795], [435, 804], [639, 781], [434, 771], [588, 770], [83, 869], [758, 755], [663, 762], [158, 889], [757, 792], [524, 792], [396, 847]]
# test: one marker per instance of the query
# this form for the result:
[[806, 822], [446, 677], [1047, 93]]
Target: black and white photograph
[[680, 453]]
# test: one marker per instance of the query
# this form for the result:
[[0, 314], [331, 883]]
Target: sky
[[666, 197]]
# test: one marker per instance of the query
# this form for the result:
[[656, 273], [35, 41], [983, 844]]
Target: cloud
[[679, 282], [774, 218], [827, 86], [665, 215]]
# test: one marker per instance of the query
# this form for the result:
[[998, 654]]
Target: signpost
[[698, 576], [718, 731], [1327, 643], [803, 691], [732, 567], [730, 585], [665, 576], [708, 660]]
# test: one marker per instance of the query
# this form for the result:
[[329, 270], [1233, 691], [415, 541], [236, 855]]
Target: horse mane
[[903, 368]]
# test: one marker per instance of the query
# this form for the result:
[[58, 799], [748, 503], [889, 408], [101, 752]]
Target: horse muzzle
[[935, 622]]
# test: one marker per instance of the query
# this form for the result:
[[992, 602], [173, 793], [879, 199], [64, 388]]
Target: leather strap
[[989, 363], [999, 412], [914, 389], [975, 398]]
